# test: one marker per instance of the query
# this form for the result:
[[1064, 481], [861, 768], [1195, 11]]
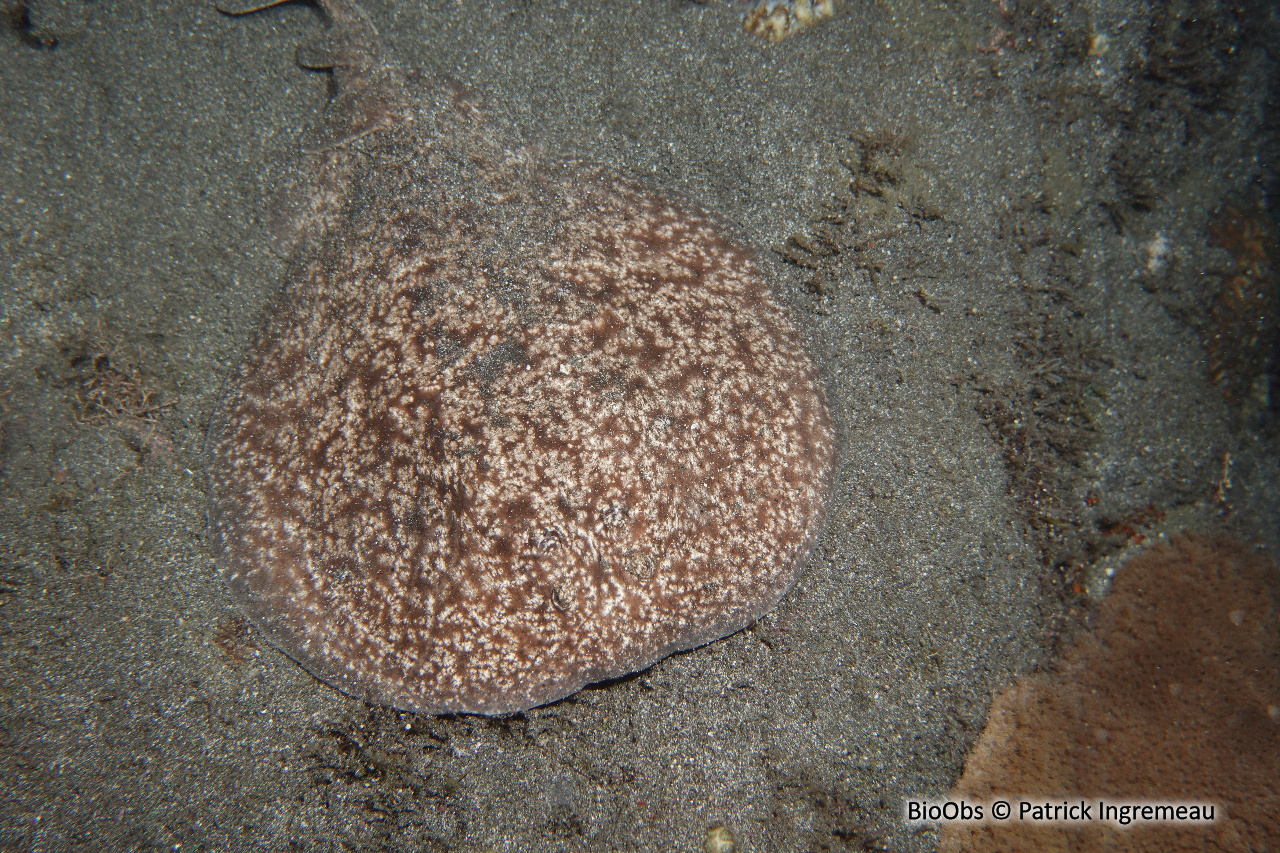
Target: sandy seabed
[[1030, 246]]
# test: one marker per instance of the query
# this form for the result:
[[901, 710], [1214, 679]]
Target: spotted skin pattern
[[512, 426]]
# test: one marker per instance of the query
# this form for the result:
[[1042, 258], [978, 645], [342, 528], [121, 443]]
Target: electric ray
[[513, 425]]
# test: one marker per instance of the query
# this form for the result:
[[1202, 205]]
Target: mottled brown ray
[[512, 426]]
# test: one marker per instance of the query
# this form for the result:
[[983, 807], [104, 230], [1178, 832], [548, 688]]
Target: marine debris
[[774, 20]]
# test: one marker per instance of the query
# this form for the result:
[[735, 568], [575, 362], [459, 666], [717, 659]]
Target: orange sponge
[[1174, 696]]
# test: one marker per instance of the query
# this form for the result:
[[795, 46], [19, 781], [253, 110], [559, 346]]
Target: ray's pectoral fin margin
[[350, 50]]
